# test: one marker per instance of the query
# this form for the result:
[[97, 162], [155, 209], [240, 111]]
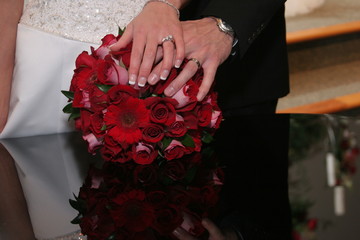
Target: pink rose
[[175, 150], [186, 97], [144, 153], [104, 49], [111, 73], [93, 142]]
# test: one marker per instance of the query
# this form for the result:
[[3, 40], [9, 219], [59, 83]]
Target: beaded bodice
[[83, 20]]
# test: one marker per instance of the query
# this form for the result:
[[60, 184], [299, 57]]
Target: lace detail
[[83, 20]]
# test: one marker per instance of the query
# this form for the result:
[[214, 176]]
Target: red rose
[[84, 60], [144, 153], [191, 120], [84, 121], [162, 110], [97, 124], [132, 211], [120, 93], [175, 170], [167, 219], [145, 174], [180, 197], [110, 73], [204, 113], [174, 150], [153, 133], [82, 78], [112, 145], [157, 198], [97, 99], [177, 128]]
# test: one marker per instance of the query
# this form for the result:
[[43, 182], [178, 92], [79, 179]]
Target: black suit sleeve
[[247, 17]]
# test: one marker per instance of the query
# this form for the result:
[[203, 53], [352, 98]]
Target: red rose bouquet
[[128, 123]]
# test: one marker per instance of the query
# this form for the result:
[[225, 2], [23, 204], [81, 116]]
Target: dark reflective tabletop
[[267, 177]]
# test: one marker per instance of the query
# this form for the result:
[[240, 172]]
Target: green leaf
[[74, 204], [77, 219], [166, 142], [188, 141], [74, 115], [121, 31], [207, 138], [103, 128], [68, 108], [104, 88], [68, 94]]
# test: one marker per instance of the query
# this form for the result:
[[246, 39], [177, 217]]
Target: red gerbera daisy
[[126, 120]]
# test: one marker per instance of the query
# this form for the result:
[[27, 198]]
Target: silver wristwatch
[[226, 28]]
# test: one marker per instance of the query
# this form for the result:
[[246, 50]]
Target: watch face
[[225, 27]]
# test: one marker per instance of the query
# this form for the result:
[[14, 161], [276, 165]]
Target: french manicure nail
[[152, 78], [178, 63], [132, 79], [142, 81], [164, 75]]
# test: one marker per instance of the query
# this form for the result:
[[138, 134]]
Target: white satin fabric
[[51, 169], [44, 66]]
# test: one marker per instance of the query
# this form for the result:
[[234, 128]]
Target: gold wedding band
[[195, 61], [168, 38]]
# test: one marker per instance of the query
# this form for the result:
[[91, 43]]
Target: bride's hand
[[147, 31], [205, 44]]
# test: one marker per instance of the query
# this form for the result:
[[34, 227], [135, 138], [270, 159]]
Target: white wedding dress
[[51, 34]]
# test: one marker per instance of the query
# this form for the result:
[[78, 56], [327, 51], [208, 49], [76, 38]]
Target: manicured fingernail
[[164, 75], [132, 79], [178, 63], [142, 81], [170, 91], [152, 78]]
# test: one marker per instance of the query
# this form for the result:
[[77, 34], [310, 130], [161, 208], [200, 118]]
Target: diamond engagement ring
[[168, 38], [195, 61]]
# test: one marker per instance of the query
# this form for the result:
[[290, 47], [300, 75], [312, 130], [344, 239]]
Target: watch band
[[227, 29]]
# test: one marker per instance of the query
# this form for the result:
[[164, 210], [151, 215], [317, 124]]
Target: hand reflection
[[215, 233]]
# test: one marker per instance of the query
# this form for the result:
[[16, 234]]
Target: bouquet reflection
[[132, 201]]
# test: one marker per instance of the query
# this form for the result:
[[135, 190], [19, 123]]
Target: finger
[[180, 49], [189, 70], [137, 52], [214, 232], [124, 40], [147, 61], [208, 80], [167, 59], [181, 234], [154, 76]]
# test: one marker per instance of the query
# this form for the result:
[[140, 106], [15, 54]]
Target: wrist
[[174, 4], [228, 30]]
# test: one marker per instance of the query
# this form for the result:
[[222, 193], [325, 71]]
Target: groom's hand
[[209, 46]]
